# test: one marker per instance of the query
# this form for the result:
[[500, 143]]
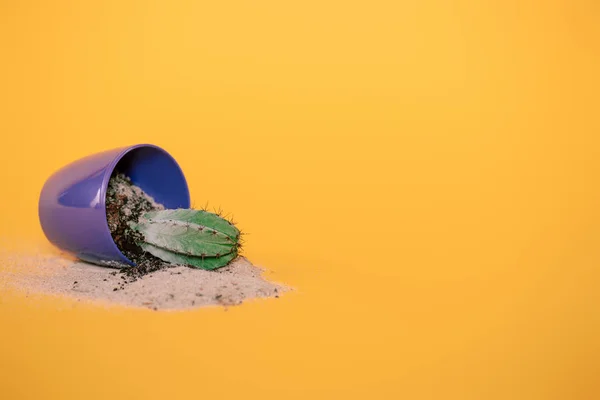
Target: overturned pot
[[72, 205]]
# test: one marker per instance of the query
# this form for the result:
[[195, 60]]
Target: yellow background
[[424, 173]]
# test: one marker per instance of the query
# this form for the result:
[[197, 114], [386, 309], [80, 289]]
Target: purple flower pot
[[72, 206]]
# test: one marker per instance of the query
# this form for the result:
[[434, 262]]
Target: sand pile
[[173, 288]]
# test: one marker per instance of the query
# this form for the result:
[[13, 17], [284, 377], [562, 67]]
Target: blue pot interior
[[157, 174]]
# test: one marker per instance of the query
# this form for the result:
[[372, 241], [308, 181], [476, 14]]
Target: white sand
[[173, 288]]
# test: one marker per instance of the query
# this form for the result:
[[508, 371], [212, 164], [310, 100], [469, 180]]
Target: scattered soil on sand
[[172, 288]]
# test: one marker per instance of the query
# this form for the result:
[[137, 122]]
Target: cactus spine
[[197, 238]]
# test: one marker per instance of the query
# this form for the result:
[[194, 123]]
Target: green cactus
[[197, 238]]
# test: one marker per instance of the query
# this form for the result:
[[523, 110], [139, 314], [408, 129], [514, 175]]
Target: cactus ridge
[[208, 263], [198, 217], [193, 237]]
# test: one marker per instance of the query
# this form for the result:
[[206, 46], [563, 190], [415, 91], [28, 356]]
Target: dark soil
[[126, 203]]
